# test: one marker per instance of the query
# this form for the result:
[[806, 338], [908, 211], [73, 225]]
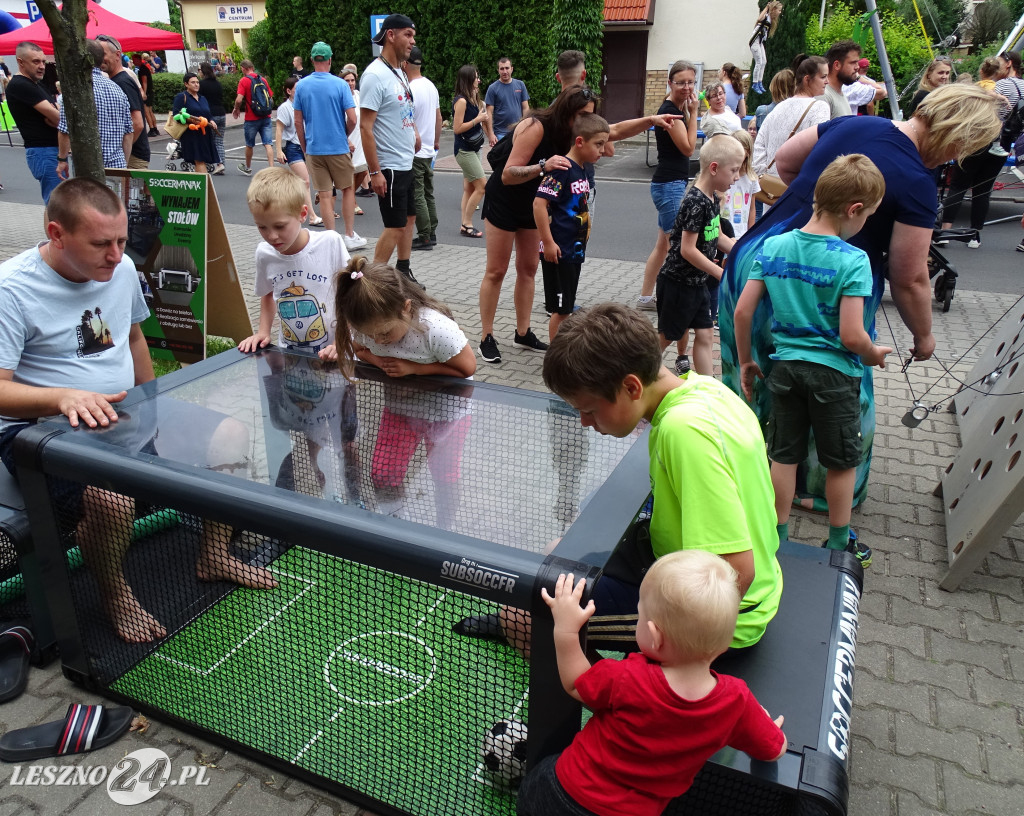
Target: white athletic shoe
[[354, 241]]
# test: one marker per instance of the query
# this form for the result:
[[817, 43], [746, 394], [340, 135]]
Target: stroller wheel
[[948, 295]]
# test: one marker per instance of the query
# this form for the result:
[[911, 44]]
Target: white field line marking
[[207, 671], [433, 606], [478, 776], [316, 736]]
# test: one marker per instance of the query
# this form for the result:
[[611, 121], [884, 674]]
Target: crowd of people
[[793, 293]]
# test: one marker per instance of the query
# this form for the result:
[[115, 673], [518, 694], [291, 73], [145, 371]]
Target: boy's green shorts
[[808, 396]]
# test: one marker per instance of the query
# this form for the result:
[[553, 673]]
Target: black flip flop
[[16, 647], [85, 728]]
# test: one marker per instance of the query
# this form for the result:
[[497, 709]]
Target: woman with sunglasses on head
[[668, 184], [539, 142]]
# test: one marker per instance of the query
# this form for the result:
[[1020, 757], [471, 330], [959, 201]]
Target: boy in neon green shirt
[[712, 488]]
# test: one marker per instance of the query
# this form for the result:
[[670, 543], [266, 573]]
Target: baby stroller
[[174, 159], [176, 162]]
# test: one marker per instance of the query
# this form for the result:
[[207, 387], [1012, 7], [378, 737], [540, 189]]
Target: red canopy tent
[[132, 36]]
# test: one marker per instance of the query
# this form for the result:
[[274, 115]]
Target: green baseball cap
[[321, 51]]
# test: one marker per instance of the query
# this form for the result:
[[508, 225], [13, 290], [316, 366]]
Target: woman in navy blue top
[[196, 147], [955, 120], [467, 123]]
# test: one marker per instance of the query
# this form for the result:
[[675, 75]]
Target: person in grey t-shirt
[[390, 139], [507, 102]]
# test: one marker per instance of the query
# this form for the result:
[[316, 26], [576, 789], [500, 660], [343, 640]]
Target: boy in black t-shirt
[[682, 293], [563, 218]]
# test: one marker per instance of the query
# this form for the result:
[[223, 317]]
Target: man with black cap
[[427, 109], [325, 114], [390, 141]]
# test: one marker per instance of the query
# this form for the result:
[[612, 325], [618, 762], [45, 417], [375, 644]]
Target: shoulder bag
[[772, 187]]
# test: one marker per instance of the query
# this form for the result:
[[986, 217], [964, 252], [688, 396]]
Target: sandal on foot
[[316, 222], [84, 728], [470, 232], [16, 650]]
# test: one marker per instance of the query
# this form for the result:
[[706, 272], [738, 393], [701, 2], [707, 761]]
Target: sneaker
[[647, 304], [433, 237], [154, 131], [365, 192], [1020, 247], [529, 341], [943, 243], [422, 243], [489, 350], [859, 550], [218, 170], [354, 241], [244, 170], [682, 365], [974, 243], [997, 150], [412, 278]]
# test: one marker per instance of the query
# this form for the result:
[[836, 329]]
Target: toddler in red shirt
[[659, 714]]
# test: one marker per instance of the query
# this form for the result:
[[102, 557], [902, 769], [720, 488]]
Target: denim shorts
[[42, 162], [263, 127], [293, 153], [667, 197]]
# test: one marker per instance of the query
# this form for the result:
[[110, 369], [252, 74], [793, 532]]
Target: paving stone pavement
[[938, 726]]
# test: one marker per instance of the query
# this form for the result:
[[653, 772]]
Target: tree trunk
[[74, 66]]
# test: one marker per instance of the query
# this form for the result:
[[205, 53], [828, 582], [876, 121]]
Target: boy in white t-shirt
[[295, 269]]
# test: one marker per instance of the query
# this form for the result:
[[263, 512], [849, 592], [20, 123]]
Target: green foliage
[[174, 13], [451, 33], [259, 44], [205, 35], [214, 345], [990, 23], [237, 54], [905, 45], [941, 17], [786, 43], [165, 27], [166, 86], [579, 26]]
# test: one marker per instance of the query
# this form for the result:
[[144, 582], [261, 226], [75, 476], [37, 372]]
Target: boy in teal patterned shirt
[[817, 284]]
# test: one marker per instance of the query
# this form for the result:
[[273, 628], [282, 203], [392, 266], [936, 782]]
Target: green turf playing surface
[[351, 673]]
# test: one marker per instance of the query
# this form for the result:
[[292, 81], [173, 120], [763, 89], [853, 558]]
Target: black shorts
[[509, 207], [681, 308], [560, 282], [399, 202], [810, 396]]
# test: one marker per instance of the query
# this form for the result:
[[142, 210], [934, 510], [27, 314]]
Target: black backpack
[[497, 156], [1013, 124], [259, 97]]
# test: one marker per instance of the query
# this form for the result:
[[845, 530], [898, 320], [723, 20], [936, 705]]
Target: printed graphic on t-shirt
[[94, 335], [302, 317], [569, 212]]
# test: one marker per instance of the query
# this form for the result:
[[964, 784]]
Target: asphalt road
[[624, 217]]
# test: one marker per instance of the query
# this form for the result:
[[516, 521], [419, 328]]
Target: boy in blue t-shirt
[[817, 284], [563, 218]]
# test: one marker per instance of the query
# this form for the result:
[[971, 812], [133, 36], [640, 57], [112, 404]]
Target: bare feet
[[228, 568], [133, 623]]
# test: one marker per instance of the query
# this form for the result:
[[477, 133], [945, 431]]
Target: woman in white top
[[715, 96], [811, 76], [355, 138], [287, 148]]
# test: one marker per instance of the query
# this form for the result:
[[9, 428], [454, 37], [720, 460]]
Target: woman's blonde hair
[[694, 598], [926, 84], [745, 139], [782, 86], [774, 9], [963, 117]]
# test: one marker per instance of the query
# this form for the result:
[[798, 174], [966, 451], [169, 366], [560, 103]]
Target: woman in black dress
[[196, 146]]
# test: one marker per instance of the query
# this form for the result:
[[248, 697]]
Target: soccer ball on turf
[[504, 751]]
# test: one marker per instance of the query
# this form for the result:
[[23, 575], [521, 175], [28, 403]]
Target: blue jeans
[[262, 127], [42, 161], [667, 197]]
